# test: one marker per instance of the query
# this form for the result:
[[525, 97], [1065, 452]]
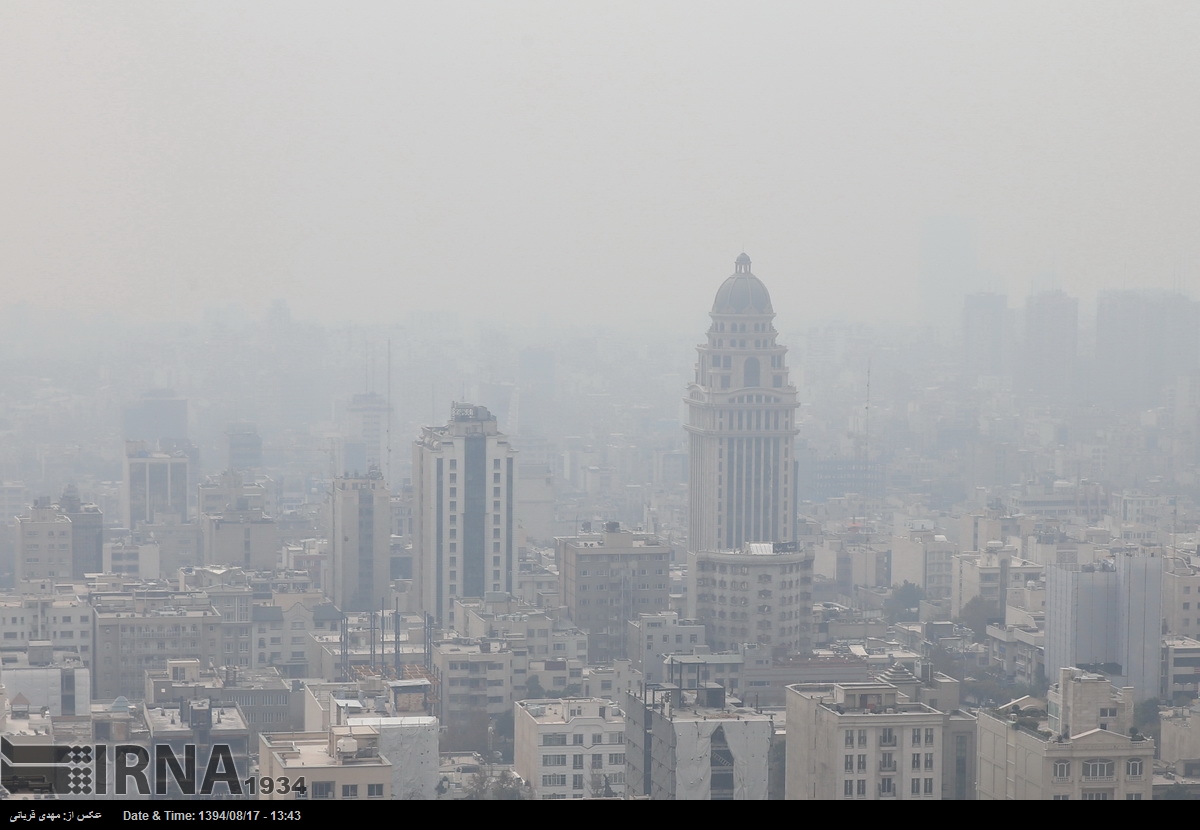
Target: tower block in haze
[[742, 428], [463, 524]]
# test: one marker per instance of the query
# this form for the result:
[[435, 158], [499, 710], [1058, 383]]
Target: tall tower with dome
[[741, 424]]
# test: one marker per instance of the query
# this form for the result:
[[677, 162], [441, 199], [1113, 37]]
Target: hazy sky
[[606, 159]]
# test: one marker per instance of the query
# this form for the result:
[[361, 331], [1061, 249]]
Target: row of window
[[1100, 768], [560, 739], [326, 789], [614, 758], [857, 788], [887, 737]]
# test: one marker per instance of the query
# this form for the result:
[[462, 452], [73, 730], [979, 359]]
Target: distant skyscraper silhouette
[[741, 423], [1051, 352]]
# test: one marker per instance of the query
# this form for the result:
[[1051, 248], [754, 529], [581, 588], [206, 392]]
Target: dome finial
[[742, 264]]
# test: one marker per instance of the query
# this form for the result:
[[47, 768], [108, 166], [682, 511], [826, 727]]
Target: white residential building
[[570, 748]]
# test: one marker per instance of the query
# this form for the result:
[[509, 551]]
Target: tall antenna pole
[[389, 414], [867, 420]]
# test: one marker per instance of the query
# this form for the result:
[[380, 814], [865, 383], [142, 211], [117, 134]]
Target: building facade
[[570, 748], [362, 535], [761, 593], [862, 741], [463, 523], [609, 578], [741, 424]]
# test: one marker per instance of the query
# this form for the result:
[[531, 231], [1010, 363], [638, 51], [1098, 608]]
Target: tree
[[507, 787], [976, 615], [477, 787], [776, 769], [1145, 718], [533, 688], [902, 605]]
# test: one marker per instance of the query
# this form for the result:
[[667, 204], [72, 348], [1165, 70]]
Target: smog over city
[[625, 401]]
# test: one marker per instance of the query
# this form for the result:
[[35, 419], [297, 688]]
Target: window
[[916, 760], [887, 737], [861, 789], [1098, 768], [616, 758], [1062, 798], [928, 786], [577, 762], [554, 760], [1133, 796], [928, 760], [577, 782], [1133, 767], [849, 763], [848, 788], [322, 789], [862, 737], [916, 737], [885, 786], [597, 761], [349, 791], [849, 737], [554, 780], [887, 761], [916, 786], [1097, 795], [862, 763], [1062, 769], [929, 737], [577, 740]]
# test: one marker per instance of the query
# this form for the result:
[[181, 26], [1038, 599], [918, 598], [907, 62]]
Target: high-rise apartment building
[[368, 416], [361, 551], [1144, 341], [609, 578], [985, 319], [244, 447], [1108, 613], [43, 543], [741, 423], [1051, 346], [87, 533], [463, 524], [156, 485]]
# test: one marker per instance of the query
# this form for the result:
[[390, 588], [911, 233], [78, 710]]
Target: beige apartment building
[[609, 578], [1074, 745], [863, 741]]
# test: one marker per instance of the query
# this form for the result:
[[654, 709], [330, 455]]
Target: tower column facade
[[742, 411]]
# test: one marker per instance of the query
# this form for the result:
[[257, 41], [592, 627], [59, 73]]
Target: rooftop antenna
[[867, 418], [388, 431]]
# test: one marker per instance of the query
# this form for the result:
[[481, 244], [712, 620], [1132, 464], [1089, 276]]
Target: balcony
[[887, 766]]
